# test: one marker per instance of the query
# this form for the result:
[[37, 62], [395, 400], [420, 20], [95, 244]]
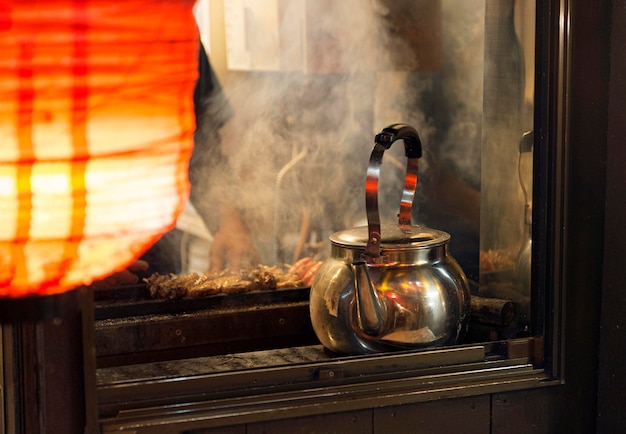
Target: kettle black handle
[[412, 142], [413, 151]]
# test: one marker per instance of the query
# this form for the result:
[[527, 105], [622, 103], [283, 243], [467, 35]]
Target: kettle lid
[[393, 237]]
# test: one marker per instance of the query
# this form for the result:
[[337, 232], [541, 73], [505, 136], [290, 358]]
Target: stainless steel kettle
[[390, 287]]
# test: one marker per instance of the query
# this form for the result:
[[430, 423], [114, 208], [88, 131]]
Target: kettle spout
[[370, 308]]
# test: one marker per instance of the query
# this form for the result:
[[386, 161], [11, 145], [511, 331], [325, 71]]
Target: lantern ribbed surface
[[96, 129]]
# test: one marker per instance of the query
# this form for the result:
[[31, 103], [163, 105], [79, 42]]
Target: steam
[[300, 140]]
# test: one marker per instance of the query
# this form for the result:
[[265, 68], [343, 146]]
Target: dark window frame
[[213, 399]]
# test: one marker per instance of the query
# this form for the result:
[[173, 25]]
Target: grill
[[132, 328]]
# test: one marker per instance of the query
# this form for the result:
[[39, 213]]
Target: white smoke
[[317, 124]]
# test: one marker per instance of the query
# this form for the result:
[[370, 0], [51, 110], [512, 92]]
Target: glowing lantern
[[96, 126]]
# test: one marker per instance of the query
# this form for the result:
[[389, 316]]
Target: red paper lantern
[[96, 126]]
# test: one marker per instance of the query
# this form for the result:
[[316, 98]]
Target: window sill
[[247, 387]]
